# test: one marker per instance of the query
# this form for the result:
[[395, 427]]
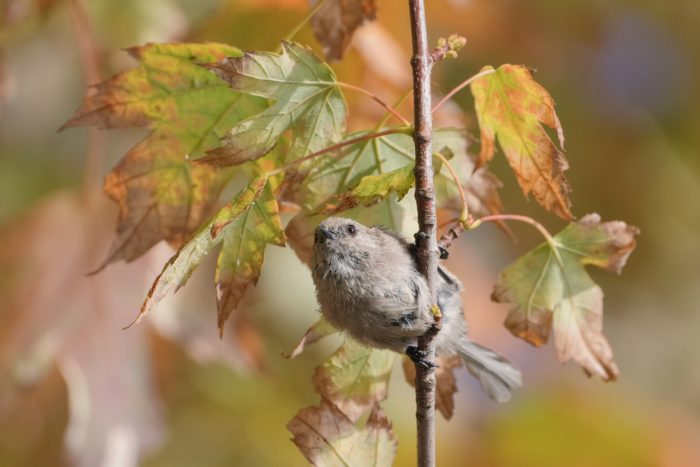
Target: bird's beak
[[323, 233]]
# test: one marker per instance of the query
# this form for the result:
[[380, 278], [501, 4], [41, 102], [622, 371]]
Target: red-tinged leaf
[[180, 267], [336, 21], [167, 90], [327, 437], [245, 238], [511, 106], [160, 195], [355, 377], [307, 101], [549, 287], [315, 333], [445, 382]]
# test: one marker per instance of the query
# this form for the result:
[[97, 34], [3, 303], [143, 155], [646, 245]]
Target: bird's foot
[[418, 357]]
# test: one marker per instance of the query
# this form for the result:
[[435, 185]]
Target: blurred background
[[76, 390]]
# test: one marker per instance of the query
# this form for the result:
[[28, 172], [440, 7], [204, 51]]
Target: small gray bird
[[368, 285]]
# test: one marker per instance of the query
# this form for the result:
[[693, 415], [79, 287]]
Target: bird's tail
[[497, 375]]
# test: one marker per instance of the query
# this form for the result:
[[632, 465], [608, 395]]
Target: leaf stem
[[305, 20], [340, 145], [376, 99], [464, 215], [398, 102], [461, 86], [515, 217]]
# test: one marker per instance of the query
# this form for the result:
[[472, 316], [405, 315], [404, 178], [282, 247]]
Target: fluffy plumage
[[368, 285]]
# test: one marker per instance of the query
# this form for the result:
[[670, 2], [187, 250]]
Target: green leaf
[[307, 101], [327, 437], [343, 170], [335, 22], [355, 377], [549, 287], [245, 238], [179, 268], [160, 194], [374, 188], [511, 106]]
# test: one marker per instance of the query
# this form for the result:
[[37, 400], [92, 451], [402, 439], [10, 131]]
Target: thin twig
[[337, 146], [427, 251], [451, 235], [461, 86], [465, 208], [376, 99]]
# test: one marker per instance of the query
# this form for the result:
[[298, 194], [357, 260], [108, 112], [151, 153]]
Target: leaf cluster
[[271, 128]]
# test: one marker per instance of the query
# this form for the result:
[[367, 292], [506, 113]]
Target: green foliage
[[549, 287], [162, 196], [216, 115], [307, 102]]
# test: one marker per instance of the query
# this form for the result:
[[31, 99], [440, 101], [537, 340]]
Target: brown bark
[[427, 223]]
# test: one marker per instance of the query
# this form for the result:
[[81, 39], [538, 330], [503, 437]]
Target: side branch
[[427, 251]]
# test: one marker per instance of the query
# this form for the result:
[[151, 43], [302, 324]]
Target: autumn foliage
[[234, 136]]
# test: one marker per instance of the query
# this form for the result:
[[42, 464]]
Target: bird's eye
[[351, 229]]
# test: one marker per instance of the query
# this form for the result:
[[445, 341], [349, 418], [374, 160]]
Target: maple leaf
[[374, 188], [335, 22], [315, 333], [244, 240], [327, 437], [355, 377], [159, 193], [511, 106], [307, 101], [245, 226], [549, 287], [378, 157], [445, 382]]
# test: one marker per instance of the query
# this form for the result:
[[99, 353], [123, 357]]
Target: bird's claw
[[418, 357]]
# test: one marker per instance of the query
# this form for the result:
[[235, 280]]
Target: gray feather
[[497, 375]]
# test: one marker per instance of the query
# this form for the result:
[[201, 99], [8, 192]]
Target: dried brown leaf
[[327, 437], [337, 20]]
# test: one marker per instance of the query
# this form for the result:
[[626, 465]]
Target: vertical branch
[[427, 223]]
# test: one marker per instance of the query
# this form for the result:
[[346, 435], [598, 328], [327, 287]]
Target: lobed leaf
[[327, 437], [245, 238], [335, 22], [159, 193], [330, 181], [307, 102], [355, 377], [374, 188], [179, 268], [549, 287], [512, 106]]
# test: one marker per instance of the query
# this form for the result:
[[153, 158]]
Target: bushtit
[[368, 285]]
